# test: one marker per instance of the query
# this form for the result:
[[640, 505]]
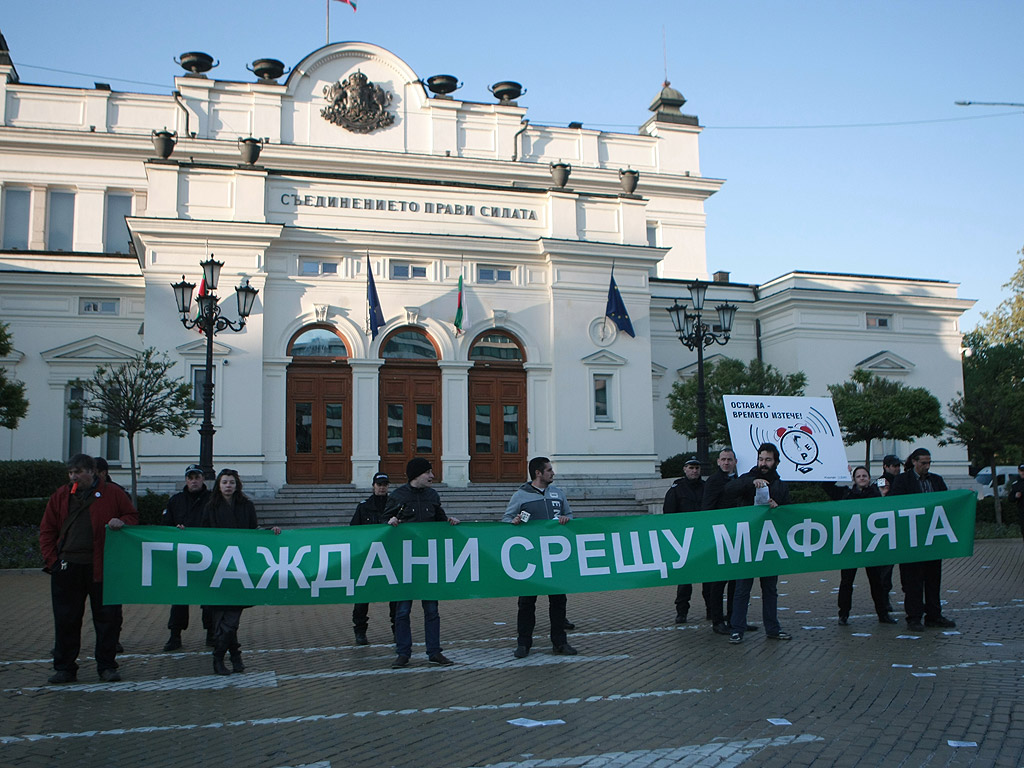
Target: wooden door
[[497, 425], [410, 416], [319, 424]]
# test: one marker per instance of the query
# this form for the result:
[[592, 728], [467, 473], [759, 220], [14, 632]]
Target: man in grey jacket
[[540, 500]]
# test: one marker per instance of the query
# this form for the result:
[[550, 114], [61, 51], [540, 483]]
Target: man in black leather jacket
[[371, 512], [185, 510], [685, 495]]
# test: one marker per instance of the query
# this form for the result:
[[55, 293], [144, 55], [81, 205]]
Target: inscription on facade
[[436, 207]]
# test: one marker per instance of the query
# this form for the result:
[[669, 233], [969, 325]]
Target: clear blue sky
[[938, 194]]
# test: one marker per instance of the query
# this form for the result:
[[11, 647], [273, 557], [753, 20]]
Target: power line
[[87, 74]]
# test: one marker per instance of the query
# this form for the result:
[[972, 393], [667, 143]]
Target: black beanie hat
[[416, 467]]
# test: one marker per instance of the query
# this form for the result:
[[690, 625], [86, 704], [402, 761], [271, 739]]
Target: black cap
[[1020, 467], [691, 460], [890, 460], [381, 479], [193, 469], [417, 467]]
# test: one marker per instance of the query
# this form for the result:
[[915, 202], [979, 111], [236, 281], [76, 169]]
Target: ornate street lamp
[[694, 333], [209, 321]]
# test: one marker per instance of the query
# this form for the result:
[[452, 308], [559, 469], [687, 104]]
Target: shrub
[[151, 507], [807, 493], [28, 479], [673, 465], [19, 547], [22, 511]]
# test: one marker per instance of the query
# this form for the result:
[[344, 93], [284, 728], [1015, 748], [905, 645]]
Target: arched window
[[408, 344], [496, 346], [318, 342]]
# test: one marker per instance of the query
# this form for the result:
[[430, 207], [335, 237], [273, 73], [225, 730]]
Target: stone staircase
[[308, 506]]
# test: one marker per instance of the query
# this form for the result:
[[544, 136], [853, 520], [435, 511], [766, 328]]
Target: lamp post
[[694, 333], [209, 322]]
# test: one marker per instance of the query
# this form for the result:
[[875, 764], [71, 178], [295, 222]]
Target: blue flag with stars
[[373, 302], [616, 309]]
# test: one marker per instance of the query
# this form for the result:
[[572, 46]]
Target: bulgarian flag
[[460, 312], [350, 2], [199, 311]]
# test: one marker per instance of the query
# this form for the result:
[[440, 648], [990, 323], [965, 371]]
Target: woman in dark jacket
[[864, 488], [228, 507]]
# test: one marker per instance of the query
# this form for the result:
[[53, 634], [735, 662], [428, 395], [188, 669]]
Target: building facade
[[362, 171]]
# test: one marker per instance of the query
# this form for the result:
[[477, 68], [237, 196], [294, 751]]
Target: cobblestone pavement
[[641, 692]]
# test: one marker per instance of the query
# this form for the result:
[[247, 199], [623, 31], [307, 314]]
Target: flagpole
[[327, 26]]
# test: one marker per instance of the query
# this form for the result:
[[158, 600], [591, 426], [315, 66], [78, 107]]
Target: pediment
[[13, 358], [886, 363], [604, 357], [197, 348], [689, 371], [657, 371], [309, 89], [94, 349]]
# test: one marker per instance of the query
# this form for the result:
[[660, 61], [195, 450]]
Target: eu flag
[[373, 301], [616, 309]]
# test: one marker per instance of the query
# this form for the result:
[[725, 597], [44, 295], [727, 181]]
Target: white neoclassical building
[[363, 168]]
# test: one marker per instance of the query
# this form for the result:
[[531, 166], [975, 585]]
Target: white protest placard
[[804, 429]]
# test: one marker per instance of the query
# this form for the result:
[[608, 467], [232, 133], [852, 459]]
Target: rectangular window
[[96, 306], [482, 428], [403, 270], [880, 322], [511, 427], [16, 217], [115, 231], [60, 221], [602, 388], [328, 268], [493, 275], [396, 427], [424, 428], [112, 442], [311, 268], [334, 426], [303, 428], [198, 381], [74, 426]]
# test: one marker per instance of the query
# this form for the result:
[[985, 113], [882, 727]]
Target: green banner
[[435, 561]]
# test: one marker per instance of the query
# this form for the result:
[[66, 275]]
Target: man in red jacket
[[71, 538]]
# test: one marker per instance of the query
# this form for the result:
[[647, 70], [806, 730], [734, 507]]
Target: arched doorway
[[497, 409], [319, 420], [410, 401]]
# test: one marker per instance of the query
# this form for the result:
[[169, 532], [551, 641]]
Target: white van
[[1005, 477]]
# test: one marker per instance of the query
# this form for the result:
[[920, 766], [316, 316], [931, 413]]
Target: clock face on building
[[603, 331]]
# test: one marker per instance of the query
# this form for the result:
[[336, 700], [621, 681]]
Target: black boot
[[173, 642], [218, 665], [361, 638], [236, 662]]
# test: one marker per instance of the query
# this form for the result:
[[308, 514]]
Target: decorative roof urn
[[628, 179], [560, 173], [250, 148], [163, 142]]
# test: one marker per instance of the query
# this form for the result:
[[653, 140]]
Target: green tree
[[134, 397], [13, 405], [988, 416], [727, 377], [870, 407], [1005, 324]]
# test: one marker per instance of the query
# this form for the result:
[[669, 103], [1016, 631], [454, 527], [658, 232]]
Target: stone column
[[365, 419], [455, 421]]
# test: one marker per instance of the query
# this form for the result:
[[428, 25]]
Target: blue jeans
[[431, 627], [769, 604]]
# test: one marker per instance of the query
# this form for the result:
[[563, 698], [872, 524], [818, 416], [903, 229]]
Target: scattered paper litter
[[813, 627], [860, 634], [803, 611], [903, 666], [908, 637], [499, 623], [526, 722], [952, 632], [923, 674], [993, 645], [779, 721], [961, 743]]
